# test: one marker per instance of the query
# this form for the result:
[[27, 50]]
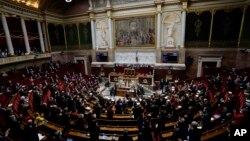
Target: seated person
[[40, 119]]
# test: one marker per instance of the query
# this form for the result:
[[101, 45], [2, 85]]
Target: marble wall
[[135, 57]]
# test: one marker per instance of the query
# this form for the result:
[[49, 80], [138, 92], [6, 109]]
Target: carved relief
[[102, 36], [130, 57], [171, 25]]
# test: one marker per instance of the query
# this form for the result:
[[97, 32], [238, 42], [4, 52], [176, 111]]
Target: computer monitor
[[102, 56], [170, 57]]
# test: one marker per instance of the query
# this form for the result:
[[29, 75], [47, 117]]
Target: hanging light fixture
[[30, 3], [68, 0]]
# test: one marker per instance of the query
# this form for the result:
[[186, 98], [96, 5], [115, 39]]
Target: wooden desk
[[118, 116], [167, 134], [119, 128], [53, 126], [123, 92], [85, 135], [170, 124], [77, 133]]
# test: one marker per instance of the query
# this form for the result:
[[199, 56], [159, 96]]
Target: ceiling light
[[68, 0]]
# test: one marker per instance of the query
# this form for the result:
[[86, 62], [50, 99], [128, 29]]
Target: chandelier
[[30, 3]]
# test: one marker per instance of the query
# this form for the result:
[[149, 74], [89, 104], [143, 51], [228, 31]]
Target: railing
[[149, 89], [17, 59]]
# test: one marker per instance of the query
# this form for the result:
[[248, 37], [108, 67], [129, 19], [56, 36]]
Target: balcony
[[16, 59]]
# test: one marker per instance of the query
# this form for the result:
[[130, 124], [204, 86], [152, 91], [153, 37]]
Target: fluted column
[[7, 35], [25, 36], [40, 36]]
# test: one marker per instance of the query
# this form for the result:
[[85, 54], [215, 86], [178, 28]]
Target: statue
[[170, 23], [90, 5], [170, 39]]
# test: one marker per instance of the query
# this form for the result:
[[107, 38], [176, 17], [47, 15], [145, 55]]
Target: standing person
[[94, 130], [194, 134]]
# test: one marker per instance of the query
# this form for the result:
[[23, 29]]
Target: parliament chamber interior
[[124, 70]]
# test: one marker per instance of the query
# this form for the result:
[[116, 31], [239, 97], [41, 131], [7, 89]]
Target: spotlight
[[68, 0]]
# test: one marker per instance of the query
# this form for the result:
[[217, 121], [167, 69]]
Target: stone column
[[93, 32], [109, 15], [7, 35], [158, 12], [40, 36], [25, 36], [242, 24], [110, 31], [159, 30], [46, 37], [183, 27], [78, 36], [211, 28], [183, 23], [65, 37]]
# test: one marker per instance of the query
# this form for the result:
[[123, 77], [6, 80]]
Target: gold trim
[[134, 15]]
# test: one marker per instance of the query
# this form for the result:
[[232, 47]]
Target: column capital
[[158, 1], [109, 13], [212, 11], [158, 8], [92, 16], [243, 9], [184, 4]]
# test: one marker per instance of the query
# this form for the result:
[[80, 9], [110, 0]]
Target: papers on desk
[[40, 136], [103, 137]]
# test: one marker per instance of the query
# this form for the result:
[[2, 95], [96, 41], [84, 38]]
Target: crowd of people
[[19, 51], [62, 95]]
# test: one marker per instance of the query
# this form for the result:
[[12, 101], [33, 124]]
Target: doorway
[[82, 62], [208, 62]]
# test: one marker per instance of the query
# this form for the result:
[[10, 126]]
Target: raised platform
[[173, 66]]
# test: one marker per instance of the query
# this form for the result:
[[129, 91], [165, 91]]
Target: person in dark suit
[[194, 134], [125, 137], [94, 131]]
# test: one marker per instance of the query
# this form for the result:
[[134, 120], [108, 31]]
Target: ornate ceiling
[[56, 6]]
